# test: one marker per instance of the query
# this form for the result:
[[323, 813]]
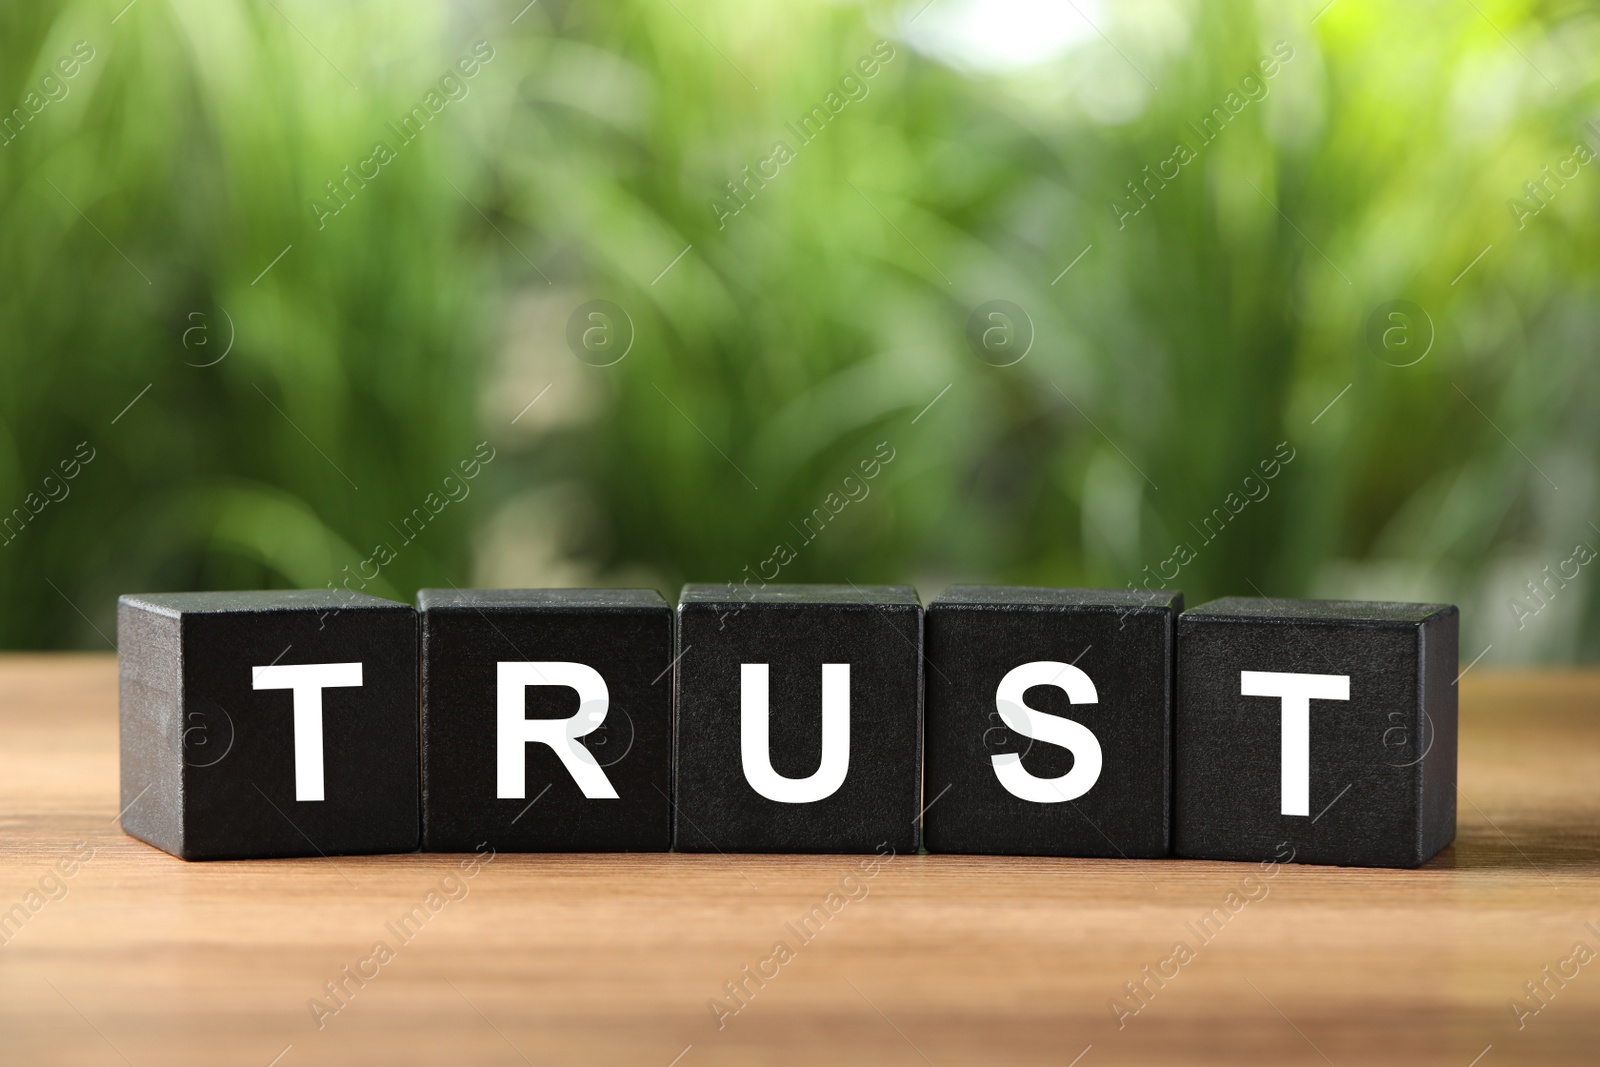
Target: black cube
[[1322, 730], [257, 724], [546, 720], [799, 718], [1049, 721]]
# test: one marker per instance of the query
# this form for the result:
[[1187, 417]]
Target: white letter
[[1297, 691], [1051, 729], [308, 680], [517, 730], [757, 752]]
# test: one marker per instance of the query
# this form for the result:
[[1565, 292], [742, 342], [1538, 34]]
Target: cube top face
[[596, 661], [1305, 732], [1024, 597], [256, 600], [1094, 777], [799, 719], [269, 724], [705, 594], [1341, 612], [516, 600]]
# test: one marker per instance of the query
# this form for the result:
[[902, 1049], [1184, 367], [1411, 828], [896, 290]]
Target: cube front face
[[286, 725], [999, 790], [597, 662], [1319, 730], [799, 719]]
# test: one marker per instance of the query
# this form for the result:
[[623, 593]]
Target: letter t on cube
[[1324, 727], [269, 723]]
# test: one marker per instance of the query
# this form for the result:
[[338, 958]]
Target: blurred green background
[[671, 278]]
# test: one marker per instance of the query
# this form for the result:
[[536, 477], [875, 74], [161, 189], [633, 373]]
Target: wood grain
[[146, 960]]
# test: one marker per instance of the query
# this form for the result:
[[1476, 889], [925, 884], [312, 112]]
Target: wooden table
[[139, 958]]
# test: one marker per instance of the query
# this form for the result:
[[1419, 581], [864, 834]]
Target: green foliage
[[1225, 309], [140, 212]]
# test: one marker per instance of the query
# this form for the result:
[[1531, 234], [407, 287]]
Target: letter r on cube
[[516, 731]]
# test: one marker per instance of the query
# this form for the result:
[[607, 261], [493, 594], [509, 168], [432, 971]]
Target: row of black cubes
[[969, 728]]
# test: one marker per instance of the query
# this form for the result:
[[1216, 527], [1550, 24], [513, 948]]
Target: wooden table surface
[[138, 958]]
